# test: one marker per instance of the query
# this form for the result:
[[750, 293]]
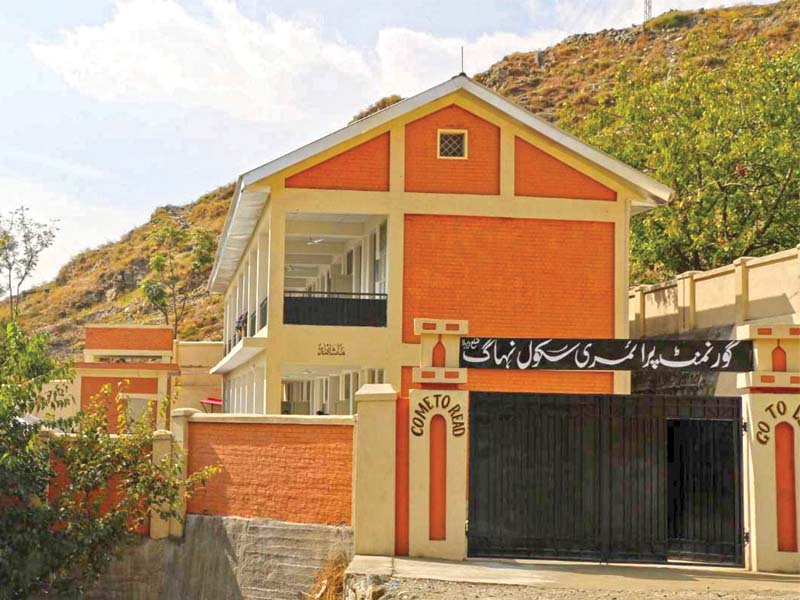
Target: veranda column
[[771, 409]]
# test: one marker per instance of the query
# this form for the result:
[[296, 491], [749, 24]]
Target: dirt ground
[[425, 589]]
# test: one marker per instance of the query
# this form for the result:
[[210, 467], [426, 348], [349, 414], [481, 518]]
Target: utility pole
[[648, 10]]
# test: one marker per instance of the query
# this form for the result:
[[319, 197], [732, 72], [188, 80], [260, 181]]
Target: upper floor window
[[452, 143]]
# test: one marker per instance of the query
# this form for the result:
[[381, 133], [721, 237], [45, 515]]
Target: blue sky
[[112, 108]]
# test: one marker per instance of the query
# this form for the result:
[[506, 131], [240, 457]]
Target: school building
[[452, 270]]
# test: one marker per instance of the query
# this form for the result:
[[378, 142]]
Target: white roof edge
[[240, 222], [653, 193]]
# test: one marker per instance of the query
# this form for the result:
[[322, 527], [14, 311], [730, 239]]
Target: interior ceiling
[[306, 372], [317, 239]]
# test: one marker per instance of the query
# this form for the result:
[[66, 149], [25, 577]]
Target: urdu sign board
[[605, 354]]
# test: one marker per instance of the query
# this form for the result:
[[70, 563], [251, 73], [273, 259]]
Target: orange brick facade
[[479, 173], [537, 173], [128, 338], [510, 277], [288, 472], [365, 167]]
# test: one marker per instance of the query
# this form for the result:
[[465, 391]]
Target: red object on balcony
[[212, 402]]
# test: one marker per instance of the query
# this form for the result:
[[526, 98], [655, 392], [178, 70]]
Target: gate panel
[[705, 513], [635, 463], [535, 464], [605, 477]]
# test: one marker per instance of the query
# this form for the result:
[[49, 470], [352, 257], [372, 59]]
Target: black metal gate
[[605, 477]]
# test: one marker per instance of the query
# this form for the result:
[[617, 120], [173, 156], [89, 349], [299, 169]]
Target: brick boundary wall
[[291, 471]]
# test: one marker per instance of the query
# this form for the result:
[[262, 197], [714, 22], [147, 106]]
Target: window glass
[[452, 145]]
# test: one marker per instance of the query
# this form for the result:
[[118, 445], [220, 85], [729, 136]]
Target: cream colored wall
[[374, 456], [198, 354], [712, 293], [765, 289], [382, 347], [69, 391]]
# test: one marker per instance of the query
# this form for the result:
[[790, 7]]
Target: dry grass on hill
[[561, 82]]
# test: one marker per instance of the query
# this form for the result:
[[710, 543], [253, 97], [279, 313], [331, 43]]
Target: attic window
[[452, 143]]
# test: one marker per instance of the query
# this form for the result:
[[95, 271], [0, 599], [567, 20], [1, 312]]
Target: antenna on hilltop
[[648, 10]]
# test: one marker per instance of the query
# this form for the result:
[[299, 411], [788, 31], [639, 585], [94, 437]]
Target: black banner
[[606, 355]]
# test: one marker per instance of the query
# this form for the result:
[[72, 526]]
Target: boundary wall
[[749, 290]]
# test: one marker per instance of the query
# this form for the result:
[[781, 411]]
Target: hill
[[561, 83]]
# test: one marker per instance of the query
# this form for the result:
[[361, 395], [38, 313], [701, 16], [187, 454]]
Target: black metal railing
[[334, 308], [262, 309]]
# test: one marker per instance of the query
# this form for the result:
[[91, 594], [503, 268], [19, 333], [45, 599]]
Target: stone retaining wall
[[224, 558]]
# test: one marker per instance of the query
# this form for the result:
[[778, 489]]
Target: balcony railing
[[334, 308], [262, 309]]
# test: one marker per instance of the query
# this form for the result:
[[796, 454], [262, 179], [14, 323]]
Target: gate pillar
[[437, 444], [771, 409], [374, 470]]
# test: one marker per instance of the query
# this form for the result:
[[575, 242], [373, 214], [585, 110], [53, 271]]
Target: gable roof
[[246, 207]]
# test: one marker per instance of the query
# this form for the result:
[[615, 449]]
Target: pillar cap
[[184, 412], [162, 434], [376, 392]]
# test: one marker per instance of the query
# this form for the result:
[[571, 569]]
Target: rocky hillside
[[579, 71], [560, 82], [102, 285]]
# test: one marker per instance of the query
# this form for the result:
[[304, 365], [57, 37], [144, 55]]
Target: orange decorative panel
[[537, 173], [535, 381], [296, 473], [786, 508], [91, 386], [401, 486], [510, 277], [364, 167], [437, 511], [129, 338], [479, 173]]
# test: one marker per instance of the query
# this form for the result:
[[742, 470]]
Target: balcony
[[334, 308]]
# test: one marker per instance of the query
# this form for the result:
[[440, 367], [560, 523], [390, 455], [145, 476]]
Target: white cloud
[[272, 70], [155, 50], [411, 61], [80, 221]]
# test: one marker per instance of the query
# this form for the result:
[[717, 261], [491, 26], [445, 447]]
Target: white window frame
[[439, 133]]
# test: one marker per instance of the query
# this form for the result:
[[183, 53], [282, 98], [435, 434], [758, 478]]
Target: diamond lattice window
[[452, 145]]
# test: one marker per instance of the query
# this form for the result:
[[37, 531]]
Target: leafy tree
[[72, 493], [22, 240], [722, 131], [180, 262]]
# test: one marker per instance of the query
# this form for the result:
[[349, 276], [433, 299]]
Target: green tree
[[22, 240], [72, 493], [721, 127], [180, 262]]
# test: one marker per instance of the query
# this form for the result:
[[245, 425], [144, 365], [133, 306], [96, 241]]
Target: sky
[[109, 109]]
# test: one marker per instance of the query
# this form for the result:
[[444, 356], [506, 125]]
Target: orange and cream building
[[358, 272], [454, 203], [143, 365]]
